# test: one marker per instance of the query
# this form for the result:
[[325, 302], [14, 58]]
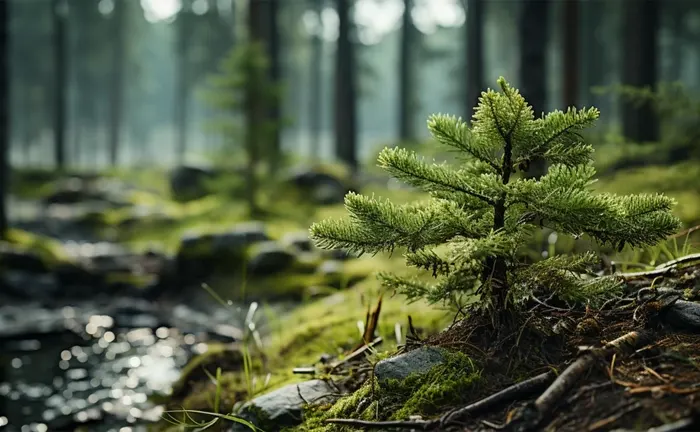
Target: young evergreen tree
[[243, 91], [479, 214]]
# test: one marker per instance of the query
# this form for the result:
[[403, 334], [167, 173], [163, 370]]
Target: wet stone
[[283, 407], [420, 360]]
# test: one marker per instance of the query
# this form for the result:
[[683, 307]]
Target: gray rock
[[684, 314], [330, 267], [321, 187], [189, 182], [420, 360], [283, 407], [241, 236], [298, 240], [269, 258], [201, 255]]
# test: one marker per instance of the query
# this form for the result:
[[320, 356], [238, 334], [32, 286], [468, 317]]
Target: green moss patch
[[50, 251], [442, 387]]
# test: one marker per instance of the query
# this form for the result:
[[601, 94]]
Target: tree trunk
[[59, 13], [474, 55], [4, 116], [182, 91], [407, 78], [345, 90], [641, 23], [273, 50], [594, 51], [117, 84], [254, 109], [316, 86], [534, 35], [571, 52]]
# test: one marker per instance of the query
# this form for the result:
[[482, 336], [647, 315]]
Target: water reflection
[[97, 370]]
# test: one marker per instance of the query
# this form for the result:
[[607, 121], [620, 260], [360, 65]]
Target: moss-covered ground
[[326, 322]]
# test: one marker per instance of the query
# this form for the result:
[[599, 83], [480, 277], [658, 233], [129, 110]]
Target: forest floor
[[634, 388]]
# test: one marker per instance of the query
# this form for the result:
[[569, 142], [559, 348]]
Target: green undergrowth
[[48, 250], [325, 326], [426, 394]]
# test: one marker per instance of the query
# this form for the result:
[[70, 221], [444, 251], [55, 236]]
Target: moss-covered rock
[[424, 393], [270, 257], [49, 251]]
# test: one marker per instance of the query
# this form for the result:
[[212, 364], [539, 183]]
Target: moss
[[427, 394], [50, 251], [216, 356]]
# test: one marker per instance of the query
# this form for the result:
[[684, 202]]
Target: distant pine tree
[[480, 214], [242, 94]]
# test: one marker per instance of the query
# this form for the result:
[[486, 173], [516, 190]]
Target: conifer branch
[[405, 165], [484, 217]]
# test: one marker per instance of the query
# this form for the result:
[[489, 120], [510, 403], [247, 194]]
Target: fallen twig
[[534, 413], [355, 354], [663, 269], [509, 394]]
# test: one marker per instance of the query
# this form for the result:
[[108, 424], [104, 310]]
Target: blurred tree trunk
[[407, 75], [594, 51], [316, 83], [182, 71], [345, 90], [117, 84], [534, 38], [474, 55], [59, 14], [571, 53], [641, 23], [273, 50], [255, 111], [4, 115]]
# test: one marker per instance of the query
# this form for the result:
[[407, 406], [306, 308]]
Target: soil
[[656, 384]]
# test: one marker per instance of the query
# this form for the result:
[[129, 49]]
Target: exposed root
[[533, 414]]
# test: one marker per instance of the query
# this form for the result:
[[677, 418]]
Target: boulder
[[298, 240], [200, 255], [74, 190], [321, 187], [268, 258], [420, 360], [283, 407], [190, 182]]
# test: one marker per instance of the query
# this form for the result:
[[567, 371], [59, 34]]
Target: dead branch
[[514, 392], [534, 413], [662, 269]]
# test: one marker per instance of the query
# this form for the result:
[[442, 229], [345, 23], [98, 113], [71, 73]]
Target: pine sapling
[[480, 213], [243, 95]]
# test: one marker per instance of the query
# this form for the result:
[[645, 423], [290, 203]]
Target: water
[[96, 365]]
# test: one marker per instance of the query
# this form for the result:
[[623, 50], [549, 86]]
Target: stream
[[97, 364], [79, 357]]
